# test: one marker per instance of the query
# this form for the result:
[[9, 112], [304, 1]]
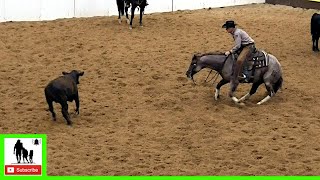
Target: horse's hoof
[[119, 21], [130, 27]]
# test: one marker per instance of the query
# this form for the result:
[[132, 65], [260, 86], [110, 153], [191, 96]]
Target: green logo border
[[44, 152]]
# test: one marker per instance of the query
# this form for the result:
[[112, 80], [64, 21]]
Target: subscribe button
[[23, 170]]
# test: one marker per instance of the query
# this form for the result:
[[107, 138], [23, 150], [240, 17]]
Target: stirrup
[[243, 77]]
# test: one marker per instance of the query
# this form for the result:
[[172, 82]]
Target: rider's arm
[[237, 40]]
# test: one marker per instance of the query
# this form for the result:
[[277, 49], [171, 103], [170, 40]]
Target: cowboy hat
[[229, 24]]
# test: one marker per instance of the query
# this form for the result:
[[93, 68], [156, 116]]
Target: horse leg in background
[[221, 83], [133, 8], [127, 16], [252, 91], [141, 14], [120, 4], [119, 18]]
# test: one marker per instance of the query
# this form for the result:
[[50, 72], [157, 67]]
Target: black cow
[[315, 31], [61, 90]]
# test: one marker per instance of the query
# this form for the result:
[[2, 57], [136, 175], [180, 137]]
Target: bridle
[[216, 75]]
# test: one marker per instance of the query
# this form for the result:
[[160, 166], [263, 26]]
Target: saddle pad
[[260, 59]]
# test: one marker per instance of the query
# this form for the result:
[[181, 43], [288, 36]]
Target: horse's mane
[[208, 53]]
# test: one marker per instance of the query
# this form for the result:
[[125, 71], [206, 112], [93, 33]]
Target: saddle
[[259, 60]]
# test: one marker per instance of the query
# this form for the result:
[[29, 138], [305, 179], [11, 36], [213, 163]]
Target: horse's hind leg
[[221, 83], [271, 93], [252, 91]]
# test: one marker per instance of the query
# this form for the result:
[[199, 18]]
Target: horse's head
[[194, 67]]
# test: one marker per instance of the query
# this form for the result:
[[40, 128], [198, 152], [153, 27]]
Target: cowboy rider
[[243, 44]]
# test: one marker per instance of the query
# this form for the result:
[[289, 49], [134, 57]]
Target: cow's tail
[[278, 84], [120, 4]]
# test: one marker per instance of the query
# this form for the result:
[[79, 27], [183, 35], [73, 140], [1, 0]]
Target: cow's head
[[75, 74]]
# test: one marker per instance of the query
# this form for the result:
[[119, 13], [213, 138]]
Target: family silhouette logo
[[24, 155]]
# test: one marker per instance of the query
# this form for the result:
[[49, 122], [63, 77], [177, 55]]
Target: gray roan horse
[[268, 72]]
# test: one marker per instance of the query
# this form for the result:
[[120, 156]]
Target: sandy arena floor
[[140, 115]]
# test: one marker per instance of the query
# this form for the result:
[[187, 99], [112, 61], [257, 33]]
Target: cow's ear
[[81, 73], [64, 73]]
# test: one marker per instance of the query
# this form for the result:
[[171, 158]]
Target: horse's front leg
[[233, 87], [221, 83], [252, 91], [270, 93]]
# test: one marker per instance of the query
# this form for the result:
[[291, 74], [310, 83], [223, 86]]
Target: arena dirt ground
[[140, 115]]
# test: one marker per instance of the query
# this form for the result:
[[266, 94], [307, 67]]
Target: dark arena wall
[[297, 3]]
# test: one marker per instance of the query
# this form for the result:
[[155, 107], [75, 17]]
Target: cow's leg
[[64, 110], [132, 15], [221, 83], [76, 98], [313, 42], [50, 104], [51, 110], [252, 91], [317, 43]]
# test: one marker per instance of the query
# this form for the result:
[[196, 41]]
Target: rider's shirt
[[241, 38]]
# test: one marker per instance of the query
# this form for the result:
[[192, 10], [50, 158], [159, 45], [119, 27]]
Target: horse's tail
[[278, 84], [120, 4]]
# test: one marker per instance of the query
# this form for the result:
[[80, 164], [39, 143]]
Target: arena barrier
[[37, 10], [310, 4]]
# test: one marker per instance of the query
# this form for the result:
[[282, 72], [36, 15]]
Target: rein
[[216, 75]]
